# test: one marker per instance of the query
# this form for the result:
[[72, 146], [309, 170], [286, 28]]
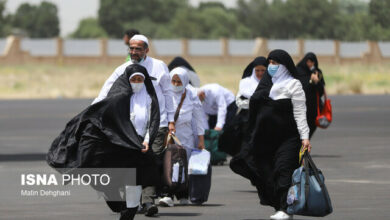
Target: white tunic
[[189, 123], [246, 89], [158, 69], [140, 112], [217, 99], [286, 87], [191, 110]]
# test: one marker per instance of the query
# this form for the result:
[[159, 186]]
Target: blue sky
[[72, 11]]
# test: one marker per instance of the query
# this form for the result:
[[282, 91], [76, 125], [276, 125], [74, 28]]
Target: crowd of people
[[127, 124]]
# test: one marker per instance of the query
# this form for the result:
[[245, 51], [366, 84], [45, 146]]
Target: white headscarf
[[139, 108], [182, 73], [281, 78], [248, 85], [137, 74], [186, 108]]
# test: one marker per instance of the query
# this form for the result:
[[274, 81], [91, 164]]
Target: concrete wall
[[224, 51]]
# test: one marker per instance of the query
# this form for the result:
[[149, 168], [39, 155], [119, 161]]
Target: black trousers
[[149, 192]]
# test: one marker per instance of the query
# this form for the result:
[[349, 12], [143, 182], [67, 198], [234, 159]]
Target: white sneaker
[[166, 202], [184, 201], [281, 215]]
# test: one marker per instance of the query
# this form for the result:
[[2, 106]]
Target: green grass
[[82, 81]]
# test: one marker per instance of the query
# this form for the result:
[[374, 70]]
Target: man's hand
[[218, 129], [171, 127], [146, 145], [201, 143]]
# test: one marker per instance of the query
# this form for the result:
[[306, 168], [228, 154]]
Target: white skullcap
[[141, 38]]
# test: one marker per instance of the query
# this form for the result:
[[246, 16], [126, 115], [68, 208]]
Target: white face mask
[[137, 87], [177, 89]]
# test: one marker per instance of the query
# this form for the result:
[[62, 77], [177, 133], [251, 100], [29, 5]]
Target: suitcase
[[199, 187], [175, 177], [211, 141]]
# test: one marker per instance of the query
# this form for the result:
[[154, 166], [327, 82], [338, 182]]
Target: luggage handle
[[173, 137]]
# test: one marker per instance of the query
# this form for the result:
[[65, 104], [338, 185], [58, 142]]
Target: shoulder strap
[[318, 100], [318, 103], [325, 95], [307, 179], [183, 96]]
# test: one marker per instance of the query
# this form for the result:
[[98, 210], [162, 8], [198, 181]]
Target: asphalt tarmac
[[353, 153]]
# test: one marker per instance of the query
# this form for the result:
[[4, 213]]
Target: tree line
[[36, 21], [350, 20]]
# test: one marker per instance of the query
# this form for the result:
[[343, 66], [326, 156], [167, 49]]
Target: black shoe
[[150, 209], [116, 206], [128, 213]]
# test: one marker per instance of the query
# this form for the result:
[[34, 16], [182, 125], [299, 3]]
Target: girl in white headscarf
[[190, 111], [140, 105]]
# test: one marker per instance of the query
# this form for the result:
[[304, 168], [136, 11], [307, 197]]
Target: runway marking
[[34, 116], [12, 138], [379, 182], [380, 166], [361, 109]]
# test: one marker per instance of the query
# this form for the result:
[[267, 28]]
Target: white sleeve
[[147, 136], [198, 115], [298, 100], [222, 109], [242, 103], [165, 84], [243, 90], [108, 84]]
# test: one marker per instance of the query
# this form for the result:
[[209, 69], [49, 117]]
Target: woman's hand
[[218, 129], [306, 144], [171, 127], [201, 142], [314, 77], [146, 145]]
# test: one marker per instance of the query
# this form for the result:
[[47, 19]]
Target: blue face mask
[[272, 69]]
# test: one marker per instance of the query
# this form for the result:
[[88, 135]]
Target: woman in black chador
[[313, 83], [114, 133], [279, 128], [234, 137]]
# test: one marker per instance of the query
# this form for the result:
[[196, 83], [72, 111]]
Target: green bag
[[211, 142]]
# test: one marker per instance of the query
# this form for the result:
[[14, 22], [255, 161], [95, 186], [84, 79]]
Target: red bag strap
[[318, 103], [318, 100], [325, 95]]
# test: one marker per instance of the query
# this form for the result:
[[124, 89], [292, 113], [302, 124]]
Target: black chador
[[235, 137], [102, 136], [274, 137], [311, 89]]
